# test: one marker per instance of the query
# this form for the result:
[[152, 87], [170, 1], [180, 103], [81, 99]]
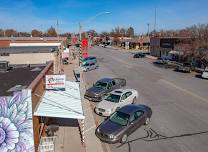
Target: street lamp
[[81, 24]]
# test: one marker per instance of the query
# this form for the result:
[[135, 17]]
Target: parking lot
[[179, 102]]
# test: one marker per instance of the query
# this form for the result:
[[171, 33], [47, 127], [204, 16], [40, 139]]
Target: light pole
[[81, 24]]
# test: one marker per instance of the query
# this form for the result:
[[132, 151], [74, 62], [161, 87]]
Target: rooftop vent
[[4, 66]]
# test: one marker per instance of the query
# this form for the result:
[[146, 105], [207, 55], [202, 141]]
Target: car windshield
[[101, 84], [120, 118], [113, 98], [85, 64]]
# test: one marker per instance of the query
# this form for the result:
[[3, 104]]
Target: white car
[[116, 99], [205, 73], [89, 66]]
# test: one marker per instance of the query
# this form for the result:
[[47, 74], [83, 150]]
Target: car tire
[[147, 121], [134, 100], [124, 138]]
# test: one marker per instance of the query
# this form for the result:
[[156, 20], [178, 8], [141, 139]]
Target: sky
[[25, 15]]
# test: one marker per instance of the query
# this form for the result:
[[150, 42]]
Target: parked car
[[205, 73], [102, 45], [161, 61], [139, 55], [89, 66], [89, 60], [102, 87], [116, 99], [123, 122], [184, 67]]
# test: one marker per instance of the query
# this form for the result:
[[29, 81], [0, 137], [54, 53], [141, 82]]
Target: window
[[124, 96], [120, 118], [136, 115], [113, 98], [128, 94], [114, 83]]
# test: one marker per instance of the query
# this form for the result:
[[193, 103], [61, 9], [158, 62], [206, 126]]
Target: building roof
[[18, 78], [29, 49], [61, 104]]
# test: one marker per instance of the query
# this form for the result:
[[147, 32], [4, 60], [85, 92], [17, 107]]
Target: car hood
[[108, 127], [107, 105], [95, 91]]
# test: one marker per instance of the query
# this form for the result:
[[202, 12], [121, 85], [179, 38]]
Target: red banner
[[84, 47]]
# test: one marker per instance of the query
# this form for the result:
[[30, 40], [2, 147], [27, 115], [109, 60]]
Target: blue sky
[[25, 15]]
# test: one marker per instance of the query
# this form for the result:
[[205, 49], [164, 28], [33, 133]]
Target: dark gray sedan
[[123, 122]]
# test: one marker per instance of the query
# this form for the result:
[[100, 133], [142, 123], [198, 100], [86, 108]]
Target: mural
[[16, 130]]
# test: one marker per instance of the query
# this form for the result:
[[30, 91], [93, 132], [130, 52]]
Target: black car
[[123, 122], [161, 61], [184, 67], [139, 55]]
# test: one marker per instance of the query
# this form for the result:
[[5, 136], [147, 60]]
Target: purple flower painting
[[16, 133]]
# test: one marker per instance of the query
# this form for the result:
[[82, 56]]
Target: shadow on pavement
[[152, 135]]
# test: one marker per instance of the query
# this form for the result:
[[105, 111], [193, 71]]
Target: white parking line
[[184, 90]]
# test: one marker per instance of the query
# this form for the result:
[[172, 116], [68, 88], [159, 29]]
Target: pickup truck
[[102, 87]]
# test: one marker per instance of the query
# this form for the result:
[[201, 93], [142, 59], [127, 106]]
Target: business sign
[[85, 47], [75, 40], [55, 82]]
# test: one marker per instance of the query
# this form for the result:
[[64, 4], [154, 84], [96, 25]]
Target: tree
[[51, 32], [23, 34], [130, 32], [1, 32], [10, 32], [36, 33], [123, 32]]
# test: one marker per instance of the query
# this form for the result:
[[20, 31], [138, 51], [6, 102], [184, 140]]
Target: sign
[[84, 47], [75, 40], [55, 82]]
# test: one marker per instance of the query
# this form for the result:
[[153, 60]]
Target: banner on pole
[[85, 47]]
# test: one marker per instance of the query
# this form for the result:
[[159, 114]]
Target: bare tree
[[10, 32], [51, 32], [36, 33], [130, 32]]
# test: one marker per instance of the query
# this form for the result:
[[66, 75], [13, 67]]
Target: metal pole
[[80, 44]]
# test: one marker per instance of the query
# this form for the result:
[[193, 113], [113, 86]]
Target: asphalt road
[[179, 102]]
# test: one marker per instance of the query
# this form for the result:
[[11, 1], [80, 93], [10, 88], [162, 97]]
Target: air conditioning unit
[[4, 66]]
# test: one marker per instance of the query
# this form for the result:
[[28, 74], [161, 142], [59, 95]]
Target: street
[[179, 102]]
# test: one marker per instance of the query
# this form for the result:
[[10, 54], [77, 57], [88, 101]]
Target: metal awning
[[61, 104]]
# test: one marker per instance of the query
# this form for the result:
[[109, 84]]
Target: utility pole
[[57, 24], [155, 18], [148, 29]]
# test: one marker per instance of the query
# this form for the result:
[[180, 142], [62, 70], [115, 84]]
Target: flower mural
[[16, 134]]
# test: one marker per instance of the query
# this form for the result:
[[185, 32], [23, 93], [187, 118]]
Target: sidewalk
[[68, 138], [92, 143]]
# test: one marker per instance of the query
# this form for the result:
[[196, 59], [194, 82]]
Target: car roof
[[121, 91], [105, 80], [131, 108]]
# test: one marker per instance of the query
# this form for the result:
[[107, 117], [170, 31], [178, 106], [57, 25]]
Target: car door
[[129, 98], [136, 120], [123, 100]]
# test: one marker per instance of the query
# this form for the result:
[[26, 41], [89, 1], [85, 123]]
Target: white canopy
[[62, 104]]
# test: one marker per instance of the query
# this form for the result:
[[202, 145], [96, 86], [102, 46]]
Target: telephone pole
[[155, 20]]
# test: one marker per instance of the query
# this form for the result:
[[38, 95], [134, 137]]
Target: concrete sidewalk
[[69, 139]]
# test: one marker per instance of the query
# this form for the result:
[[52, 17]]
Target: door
[[137, 119]]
